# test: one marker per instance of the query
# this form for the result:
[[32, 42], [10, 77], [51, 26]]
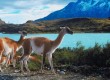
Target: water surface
[[86, 39]]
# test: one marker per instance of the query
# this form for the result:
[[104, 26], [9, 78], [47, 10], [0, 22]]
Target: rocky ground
[[78, 73], [46, 76]]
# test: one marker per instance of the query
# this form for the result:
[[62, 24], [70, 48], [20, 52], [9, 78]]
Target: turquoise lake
[[86, 39]]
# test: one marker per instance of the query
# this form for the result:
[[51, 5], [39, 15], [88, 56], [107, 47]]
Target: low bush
[[96, 56]]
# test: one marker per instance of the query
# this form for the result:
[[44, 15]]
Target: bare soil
[[10, 74]]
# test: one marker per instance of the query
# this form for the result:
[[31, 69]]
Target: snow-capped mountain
[[82, 9]]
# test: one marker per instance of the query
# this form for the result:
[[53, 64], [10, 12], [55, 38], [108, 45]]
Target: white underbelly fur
[[52, 50], [36, 49], [7, 49]]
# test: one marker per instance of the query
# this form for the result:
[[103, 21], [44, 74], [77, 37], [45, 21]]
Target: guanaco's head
[[66, 30], [23, 33]]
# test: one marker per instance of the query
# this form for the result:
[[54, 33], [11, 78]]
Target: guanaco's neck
[[59, 38], [20, 41]]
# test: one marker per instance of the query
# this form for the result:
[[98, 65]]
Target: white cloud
[[28, 14], [19, 11]]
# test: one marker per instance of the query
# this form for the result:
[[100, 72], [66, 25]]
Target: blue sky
[[19, 11]]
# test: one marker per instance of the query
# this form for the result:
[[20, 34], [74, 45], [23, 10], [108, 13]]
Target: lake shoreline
[[74, 32], [85, 39]]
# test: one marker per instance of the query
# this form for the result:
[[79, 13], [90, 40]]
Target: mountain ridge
[[52, 26], [82, 9]]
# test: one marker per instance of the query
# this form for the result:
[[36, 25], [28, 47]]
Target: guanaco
[[9, 47], [42, 46]]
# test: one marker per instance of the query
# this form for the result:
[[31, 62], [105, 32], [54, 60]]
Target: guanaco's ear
[[67, 27], [25, 31], [62, 27]]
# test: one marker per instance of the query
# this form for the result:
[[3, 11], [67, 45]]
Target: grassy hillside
[[77, 25]]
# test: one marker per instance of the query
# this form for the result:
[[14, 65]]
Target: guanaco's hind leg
[[1, 53], [7, 60], [26, 52], [25, 63], [13, 58], [51, 63], [21, 65], [43, 63]]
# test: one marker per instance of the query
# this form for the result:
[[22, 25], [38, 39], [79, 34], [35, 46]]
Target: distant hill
[[78, 24], [1, 22], [82, 9], [29, 26], [52, 26]]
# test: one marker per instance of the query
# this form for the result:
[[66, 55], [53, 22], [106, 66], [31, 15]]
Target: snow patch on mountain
[[82, 8]]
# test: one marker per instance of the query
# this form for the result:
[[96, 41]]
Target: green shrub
[[96, 56]]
